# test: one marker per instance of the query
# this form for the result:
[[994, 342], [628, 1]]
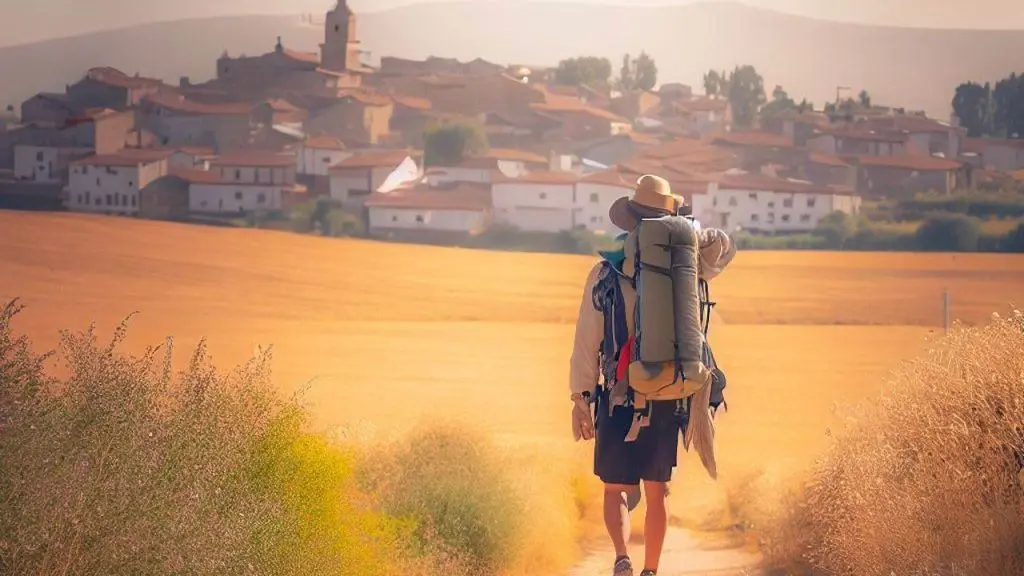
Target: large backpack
[[668, 358]]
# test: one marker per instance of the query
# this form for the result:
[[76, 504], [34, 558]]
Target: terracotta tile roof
[[753, 139], [566, 178], [193, 150], [760, 182], [254, 158], [461, 196], [123, 158], [908, 123], [178, 103], [610, 177], [864, 135], [193, 176], [114, 77], [281, 105], [366, 98], [704, 104], [382, 159], [515, 155], [411, 102], [910, 162], [826, 159], [305, 57], [579, 108], [324, 143]]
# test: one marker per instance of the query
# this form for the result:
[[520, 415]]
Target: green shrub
[[1014, 240], [452, 484], [748, 241], [124, 467], [949, 233], [977, 204]]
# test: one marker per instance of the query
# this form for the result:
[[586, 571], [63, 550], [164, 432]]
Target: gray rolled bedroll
[[666, 360]]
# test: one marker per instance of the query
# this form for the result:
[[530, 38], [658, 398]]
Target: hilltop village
[[278, 130]]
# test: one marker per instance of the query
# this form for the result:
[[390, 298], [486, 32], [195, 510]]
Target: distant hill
[[910, 67]]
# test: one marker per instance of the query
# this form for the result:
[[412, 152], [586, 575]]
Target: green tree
[[864, 99], [780, 102], [640, 73], [449, 144], [626, 79], [712, 82], [973, 105], [584, 70], [645, 72], [949, 233], [745, 89], [837, 229]]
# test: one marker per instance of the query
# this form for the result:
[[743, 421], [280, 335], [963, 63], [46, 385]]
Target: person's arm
[[716, 252], [584, 369]]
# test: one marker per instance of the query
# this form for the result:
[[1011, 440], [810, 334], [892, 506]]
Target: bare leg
[[656, 523], [616, 516]]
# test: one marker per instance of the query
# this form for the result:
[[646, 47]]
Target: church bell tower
[[340, 49]]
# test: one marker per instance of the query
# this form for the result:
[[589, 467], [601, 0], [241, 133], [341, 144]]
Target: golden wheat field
[[393, 334]]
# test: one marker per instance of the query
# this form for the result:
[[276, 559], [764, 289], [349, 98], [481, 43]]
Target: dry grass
[[925, 478], [395, 335]]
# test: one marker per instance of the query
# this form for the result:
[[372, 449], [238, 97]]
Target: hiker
[[638, 424]]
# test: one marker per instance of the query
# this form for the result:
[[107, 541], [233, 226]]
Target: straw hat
[[652, 198]]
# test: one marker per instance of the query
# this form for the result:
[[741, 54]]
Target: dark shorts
[[652, 456]]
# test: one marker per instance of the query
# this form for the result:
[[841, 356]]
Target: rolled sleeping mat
[[669, 339]]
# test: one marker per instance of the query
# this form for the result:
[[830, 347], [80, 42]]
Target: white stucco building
[[111, 183], [460, 208], [538, 202], [767, 204], [316, 155], [242, 182], [595, 194], [44, 164], [355, 177]]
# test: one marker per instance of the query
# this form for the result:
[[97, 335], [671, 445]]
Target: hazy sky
[[26, 21]]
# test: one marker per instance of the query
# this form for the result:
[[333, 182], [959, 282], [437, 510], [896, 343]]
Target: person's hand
[[582, 420]]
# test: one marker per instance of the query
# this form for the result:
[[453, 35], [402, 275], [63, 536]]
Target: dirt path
[[685, 554]]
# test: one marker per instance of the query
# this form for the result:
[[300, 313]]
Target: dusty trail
[[686, 554]]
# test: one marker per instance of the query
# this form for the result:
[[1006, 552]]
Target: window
[[543, 195], [130, 183], [810, 202], [805, 217], [732, 201], [98, 182], [753, 195], [238, 195], [99, 200], [771, 217], [714, 201], [337, 28], [202, 204], [787, 203], [133, 201], [238, 174], [594, 198], [87, 201], [261, 198], [394, 218], [419, 218], [785, 217], [78, 199], [39, 156], [755, 217], [325, 160], [110, 201], [771, 204]]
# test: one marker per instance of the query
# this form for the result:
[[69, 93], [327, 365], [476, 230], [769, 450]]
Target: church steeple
[[340, 49]]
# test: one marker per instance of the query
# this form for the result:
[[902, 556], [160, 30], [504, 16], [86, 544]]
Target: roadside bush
[[970, 203], [505, 237], [126, 467], [450, 482], [949, 233], [747, 241], [924, 479]]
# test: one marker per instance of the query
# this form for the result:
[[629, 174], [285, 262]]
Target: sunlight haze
[[45, 19]]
